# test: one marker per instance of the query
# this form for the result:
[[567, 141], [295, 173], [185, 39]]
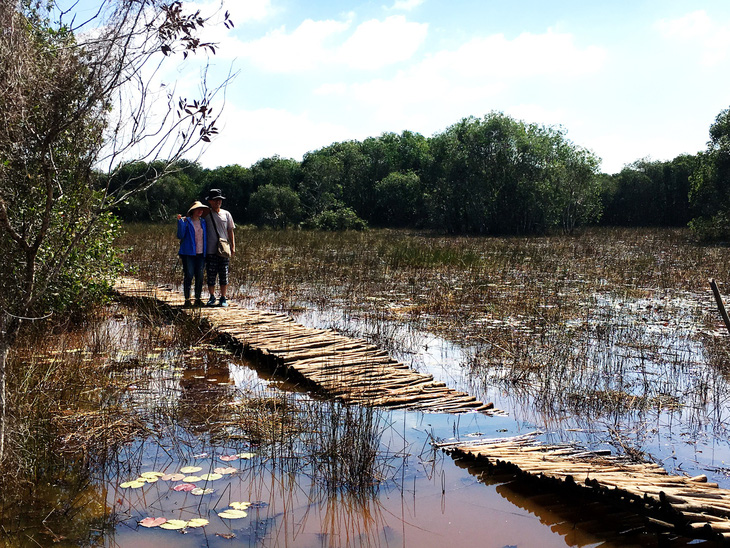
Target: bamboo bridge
[[347, 369], [689, 507]]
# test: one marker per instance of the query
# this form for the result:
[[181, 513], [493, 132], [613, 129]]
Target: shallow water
[[299, 486], [688, 429], [424, 497]]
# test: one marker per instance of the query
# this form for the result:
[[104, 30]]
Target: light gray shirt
[[224, 221]]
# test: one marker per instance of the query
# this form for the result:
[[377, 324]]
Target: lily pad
[[225, 470], [246, 455], [172, 477], [152, 522], [192, 479], [240, 505], [232, 513], [190, 469], [147, 479], [184, 487], [200, 491], [198, 522], [174, 524], [151, 475], [229, 458], [134, 484], [211, 477]]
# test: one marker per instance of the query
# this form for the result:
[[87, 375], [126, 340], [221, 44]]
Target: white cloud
[[406, 5], [376, 44], [480, 76], [712, 39], [528, 55], [299, 51], [373, 44], [246, 136]]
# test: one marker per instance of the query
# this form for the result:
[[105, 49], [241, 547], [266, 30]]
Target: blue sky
[[627, 79]]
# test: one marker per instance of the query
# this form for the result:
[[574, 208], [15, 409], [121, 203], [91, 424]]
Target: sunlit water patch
[[634, 375]]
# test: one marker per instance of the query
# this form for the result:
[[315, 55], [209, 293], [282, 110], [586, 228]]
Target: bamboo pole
[[720, 305]]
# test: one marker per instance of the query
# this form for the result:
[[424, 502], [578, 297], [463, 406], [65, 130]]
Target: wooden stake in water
[[720, 305]]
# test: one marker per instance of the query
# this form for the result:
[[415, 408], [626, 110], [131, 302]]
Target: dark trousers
[[193, 267]]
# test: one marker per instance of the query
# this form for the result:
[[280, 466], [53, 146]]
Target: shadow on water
[[147, 397]]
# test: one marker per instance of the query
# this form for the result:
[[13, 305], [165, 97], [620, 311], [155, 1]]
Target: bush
[[342, 218]]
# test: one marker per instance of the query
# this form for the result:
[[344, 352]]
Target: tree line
[[490, 175]]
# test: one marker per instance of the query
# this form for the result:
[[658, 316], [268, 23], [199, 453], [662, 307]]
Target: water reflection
[[317, 473], [639, 376]]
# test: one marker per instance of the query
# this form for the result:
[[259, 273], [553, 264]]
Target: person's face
[[197, 213], [216, 204]]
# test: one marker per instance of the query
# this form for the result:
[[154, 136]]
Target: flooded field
[[209, 432], [610, 340]]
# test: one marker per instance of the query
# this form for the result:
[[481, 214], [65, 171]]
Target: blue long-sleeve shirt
[[186, 234]]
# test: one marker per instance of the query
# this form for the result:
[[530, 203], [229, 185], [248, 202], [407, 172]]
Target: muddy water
[[310, 486], [422, 497]]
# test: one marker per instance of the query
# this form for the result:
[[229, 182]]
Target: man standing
[[222, 227]]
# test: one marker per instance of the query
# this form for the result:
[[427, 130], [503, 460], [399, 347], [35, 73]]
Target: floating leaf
[[201, 491], [151, 475], [134, 484], [226, 470], [201, 456], [190, 469], [246, 455], [147, 480], [172, 477], [198, 522], [228, 458], [174, 524], [240, 505], [192, 479], [211, 477], [233, 514], [184, 487], [152, 522]]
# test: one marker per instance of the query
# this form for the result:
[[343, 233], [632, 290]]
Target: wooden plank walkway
[[690, 507], [348, 369]]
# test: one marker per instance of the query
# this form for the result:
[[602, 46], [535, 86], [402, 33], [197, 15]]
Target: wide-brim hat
[[199, 205], [215, 194]]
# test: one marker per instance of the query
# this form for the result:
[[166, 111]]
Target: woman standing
[[192, 232]]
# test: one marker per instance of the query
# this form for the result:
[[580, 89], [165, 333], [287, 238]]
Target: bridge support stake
[[720, 305]]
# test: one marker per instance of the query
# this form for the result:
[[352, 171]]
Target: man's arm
[[231, 240]]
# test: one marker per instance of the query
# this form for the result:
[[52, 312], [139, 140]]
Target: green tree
[[710, 183], [274, 206], [578, 188], [649, 193], [73, 100], [499, 175], [171, 193], [400, 199], [321, 187]]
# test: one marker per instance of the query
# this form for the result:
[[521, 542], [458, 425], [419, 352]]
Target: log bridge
[[347, 369], [689, 507]]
